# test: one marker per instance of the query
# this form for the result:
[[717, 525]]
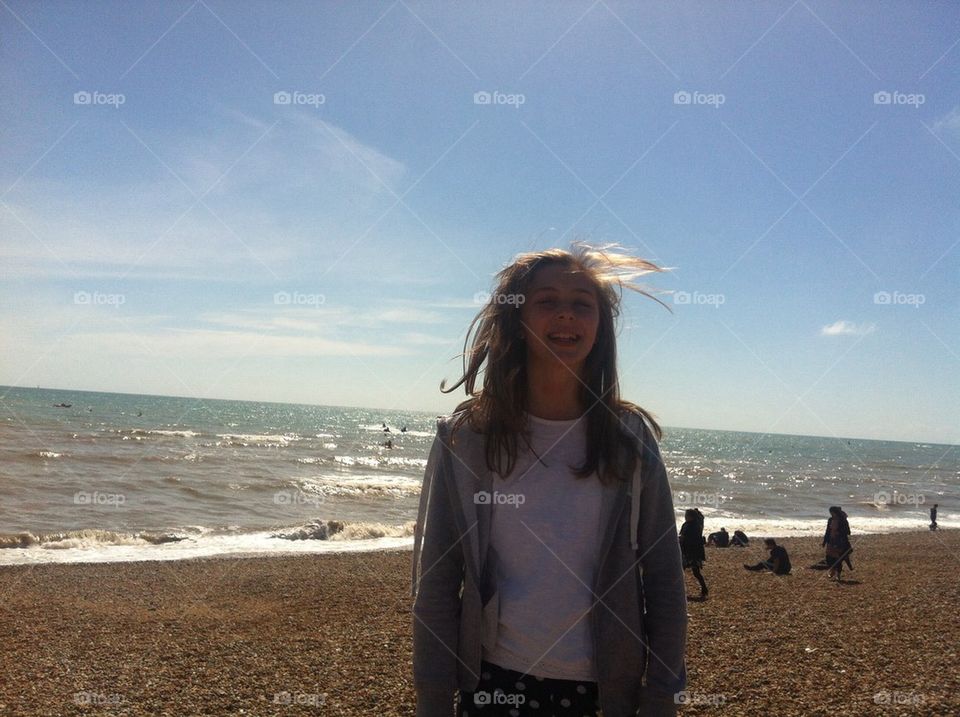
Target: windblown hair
[[498, 409]]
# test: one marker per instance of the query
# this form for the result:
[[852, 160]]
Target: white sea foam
[[788, 528], [360, 538], [371, 486], [246, 439], [169, 433], [378, 461]]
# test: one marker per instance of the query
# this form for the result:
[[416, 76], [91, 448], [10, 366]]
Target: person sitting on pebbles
[[720, 539], [779, 562]]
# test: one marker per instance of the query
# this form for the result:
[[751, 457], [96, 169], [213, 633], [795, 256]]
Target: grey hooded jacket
[[639, 617]]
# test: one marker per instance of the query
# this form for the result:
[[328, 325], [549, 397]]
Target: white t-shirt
[[546, 532]]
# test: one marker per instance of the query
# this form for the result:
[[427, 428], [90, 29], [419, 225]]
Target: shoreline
[[271, 634], [177, 552]]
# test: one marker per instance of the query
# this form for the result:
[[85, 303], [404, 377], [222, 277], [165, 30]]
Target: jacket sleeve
[[665, 620], [436, 610]]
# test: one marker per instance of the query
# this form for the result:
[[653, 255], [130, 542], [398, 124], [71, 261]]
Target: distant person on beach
[[836, 540], [720, 539], [544, 499], [779, 561], [740, 539], [691, 546], [933, 517]]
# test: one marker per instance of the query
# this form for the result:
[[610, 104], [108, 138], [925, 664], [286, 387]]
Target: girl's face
[[560, 317]]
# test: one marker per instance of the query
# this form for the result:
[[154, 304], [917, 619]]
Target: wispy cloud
[[323, 318], [948, 123], [280, 206], [847, 328], [202, 344]]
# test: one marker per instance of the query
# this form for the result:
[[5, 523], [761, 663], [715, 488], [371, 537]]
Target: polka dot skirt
[[506, 693]]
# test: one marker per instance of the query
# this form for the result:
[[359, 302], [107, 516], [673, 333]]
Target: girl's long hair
[[498, 409]]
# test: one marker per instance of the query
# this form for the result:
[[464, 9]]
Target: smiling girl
[[546, 568]]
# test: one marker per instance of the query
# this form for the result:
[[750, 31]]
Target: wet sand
[[331, 635]]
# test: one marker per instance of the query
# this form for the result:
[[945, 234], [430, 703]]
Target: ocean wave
[[359, 486], [368, 531], [278, 440], [168, 433], [320, 530], [337, 530], [85, 538], [381, 461], [49, 454]]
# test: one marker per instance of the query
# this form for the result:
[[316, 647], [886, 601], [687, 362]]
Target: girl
[[546, 570]]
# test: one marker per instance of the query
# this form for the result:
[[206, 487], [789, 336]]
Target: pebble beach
[[331, 634]]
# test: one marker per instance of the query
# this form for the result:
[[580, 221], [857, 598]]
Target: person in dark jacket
[[720, 539], [691, 546], [836, 540], [779, 562], [739, 539]]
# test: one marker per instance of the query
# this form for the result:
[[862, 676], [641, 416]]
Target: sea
[[101, 477]]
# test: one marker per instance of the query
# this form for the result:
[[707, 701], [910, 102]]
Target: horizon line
[[374, 408]]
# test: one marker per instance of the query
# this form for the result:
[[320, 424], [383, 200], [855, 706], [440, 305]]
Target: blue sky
[[146, 233]]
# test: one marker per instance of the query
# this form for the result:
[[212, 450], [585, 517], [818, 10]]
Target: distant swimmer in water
[[62, 405], [388, 444], [139, 413], [403, 430]]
